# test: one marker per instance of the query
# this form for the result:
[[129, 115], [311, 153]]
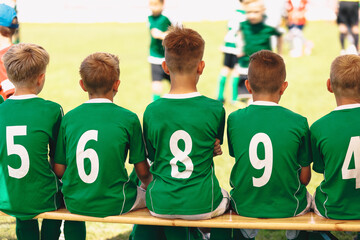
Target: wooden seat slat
[[309, 221]]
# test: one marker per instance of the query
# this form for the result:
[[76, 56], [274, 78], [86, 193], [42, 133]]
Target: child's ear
[[283, 87], [41, 79], [81, 82], [248, 87], [201, 67], [165, 68], [328, 85], [116, 86]]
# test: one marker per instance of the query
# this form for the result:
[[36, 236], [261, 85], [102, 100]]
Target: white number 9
[[266, 163]]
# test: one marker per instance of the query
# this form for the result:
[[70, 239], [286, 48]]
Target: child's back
[[269, 150], [180, 132], [335, 142], [28, 125]]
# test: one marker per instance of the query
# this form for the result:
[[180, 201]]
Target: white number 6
[[89, 153], [257, 163]]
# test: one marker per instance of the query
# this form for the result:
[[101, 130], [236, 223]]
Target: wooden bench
[[309, 221]]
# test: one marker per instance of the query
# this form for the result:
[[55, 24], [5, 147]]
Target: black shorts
[[348, 13], [157, 73], [230, 60]]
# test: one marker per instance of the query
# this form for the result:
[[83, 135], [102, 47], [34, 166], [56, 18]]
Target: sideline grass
[[69, 44]]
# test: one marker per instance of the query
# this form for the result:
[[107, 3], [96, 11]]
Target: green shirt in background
[[94, 140], [270, 145], [335, 142], [180, 132], [29, 127], [156, 49]]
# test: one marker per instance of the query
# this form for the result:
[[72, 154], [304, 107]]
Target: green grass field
[[69, 44]]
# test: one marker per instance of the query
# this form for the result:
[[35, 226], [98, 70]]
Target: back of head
[[345, 76], [184, 49], [99, 71], [24, 62], [266, 72], [8, 21]]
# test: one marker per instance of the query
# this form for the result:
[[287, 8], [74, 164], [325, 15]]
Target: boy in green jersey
[[158, 24], [94, 141], [272, 150], [255, 35], [335, 140], [28, 128]]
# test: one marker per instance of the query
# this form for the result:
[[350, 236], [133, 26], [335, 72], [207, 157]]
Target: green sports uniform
[[180, 131], [255, 37], [230, 40], [94, 140], [270, 145], [1, 99], [162, 23], [335, 142], [28, 129]]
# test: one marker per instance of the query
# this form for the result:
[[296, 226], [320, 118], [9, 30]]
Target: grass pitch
[[69, 44]]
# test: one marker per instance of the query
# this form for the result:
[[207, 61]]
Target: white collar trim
[[264, 103], [21, 97], [347, 106], [99, 100], [182, 96]]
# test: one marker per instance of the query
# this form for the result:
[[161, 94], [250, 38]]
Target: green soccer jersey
[[255, 37], [180, 132], [230, 40], [94, 140], [156, 49], [1, 99], [29, 127], [270, 145], [335, 140]]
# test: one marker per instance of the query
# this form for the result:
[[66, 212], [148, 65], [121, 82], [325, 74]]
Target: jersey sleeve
[[319, 164], [55, 132], [137, 148], [150, 151], [60, 152], [230, 145], [304, 152], [220, 132]]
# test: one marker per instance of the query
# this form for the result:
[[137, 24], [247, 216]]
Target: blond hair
[[266, 72], [184, 49], [100, 71], [24, 63], [345, 76]]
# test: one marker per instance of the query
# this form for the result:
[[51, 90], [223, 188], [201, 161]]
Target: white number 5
[[353, 149], [257, 163], [17, 149]]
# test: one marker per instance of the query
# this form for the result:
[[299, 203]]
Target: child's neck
[[266, 97], [345, 101], [4, 42], [109, 96], [24, 91], [182, 84]]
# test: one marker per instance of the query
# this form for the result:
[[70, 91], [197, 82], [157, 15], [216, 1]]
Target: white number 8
[[89, 153], [181, 156], [266, 163]]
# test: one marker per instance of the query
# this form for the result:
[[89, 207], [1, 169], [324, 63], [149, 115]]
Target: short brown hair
[[345, 76], [266, 71], [184, 49], [24, 62], [99, 71]]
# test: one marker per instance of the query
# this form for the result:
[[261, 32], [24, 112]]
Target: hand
[[217, 148]]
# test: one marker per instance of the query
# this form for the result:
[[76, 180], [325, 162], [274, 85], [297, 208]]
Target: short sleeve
[[55, 131], [220, 132], [319, 164], [230, 145], [137, 148], [304, 152], [60, 152]]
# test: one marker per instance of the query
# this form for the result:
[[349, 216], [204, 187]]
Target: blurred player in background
[[231, 51], [158, 25], [348, 20]]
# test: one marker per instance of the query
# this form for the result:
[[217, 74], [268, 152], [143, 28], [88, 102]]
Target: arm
[[59, 170], [305, 175], [217, 148], [279, 44], [143, 173], [158, 34]]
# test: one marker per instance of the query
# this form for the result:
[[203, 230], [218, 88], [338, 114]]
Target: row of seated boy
[[273, 147]]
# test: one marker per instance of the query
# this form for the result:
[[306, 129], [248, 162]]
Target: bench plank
[[309, 221]]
